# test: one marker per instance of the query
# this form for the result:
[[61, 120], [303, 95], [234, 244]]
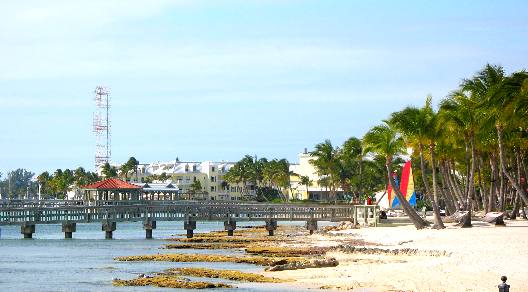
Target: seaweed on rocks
[[169, 282], [284, 251], [308, 264], [205, 246], [223, 274], [256, 260]]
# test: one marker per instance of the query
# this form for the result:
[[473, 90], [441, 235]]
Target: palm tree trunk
[[422, 168], [523, 165], [448, 196], [418, 221], [502, 191], [467, 182], [516, 202], [482, 186], [438, 224], [492, 205], [519, 189], [450, 185], [454, 181], [471, 194]]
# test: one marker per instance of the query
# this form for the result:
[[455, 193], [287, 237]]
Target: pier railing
[[27, 214], [55, 211]]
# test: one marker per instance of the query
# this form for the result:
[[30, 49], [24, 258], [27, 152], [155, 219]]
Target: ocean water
[[48, 262]]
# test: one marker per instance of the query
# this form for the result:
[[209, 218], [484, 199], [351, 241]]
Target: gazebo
[[111, 190], [159, 191]]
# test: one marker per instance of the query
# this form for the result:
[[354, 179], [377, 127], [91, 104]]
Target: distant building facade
[[182, 174], [315, 191]]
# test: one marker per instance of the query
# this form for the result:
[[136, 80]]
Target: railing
[[55, 211]]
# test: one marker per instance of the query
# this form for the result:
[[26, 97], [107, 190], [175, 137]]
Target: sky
[[215, 80]]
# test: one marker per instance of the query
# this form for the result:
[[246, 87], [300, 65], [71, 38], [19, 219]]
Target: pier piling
[[27, 229], [230, 226], [189, 225], [68, 228], [149, 225], [311, 225], [271, 226], [109, 227]]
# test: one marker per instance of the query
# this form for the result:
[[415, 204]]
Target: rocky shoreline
[[259, 249]]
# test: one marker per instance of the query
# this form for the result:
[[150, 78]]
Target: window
[[213, 179], [212, 189], [186, 167], [212, 169], [194, 178], [194, 168]]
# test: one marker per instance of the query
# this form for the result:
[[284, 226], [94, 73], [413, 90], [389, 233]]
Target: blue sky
[[214, 80]]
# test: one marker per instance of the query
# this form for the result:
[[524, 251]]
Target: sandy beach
[[475, 259]]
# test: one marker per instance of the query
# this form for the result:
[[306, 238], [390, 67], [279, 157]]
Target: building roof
[[157, 187], [111, 184]]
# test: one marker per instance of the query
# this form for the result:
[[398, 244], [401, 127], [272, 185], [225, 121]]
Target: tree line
[[471, 152], [471, 148], [57, 184]]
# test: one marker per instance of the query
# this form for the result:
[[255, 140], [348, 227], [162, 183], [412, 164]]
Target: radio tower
[[101, 127]]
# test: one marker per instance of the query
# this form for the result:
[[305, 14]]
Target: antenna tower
[[101, 127]]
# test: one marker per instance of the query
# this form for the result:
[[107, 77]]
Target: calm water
[[85, 263]]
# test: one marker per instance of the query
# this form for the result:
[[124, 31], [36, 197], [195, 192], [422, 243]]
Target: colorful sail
[[406, 187], [392, 197]]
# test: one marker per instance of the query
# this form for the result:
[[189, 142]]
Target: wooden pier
[[27, 214]]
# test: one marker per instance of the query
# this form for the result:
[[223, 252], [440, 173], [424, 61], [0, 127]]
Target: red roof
[[111, 184]]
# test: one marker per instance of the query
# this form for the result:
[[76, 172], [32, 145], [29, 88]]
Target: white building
[[184, 173]]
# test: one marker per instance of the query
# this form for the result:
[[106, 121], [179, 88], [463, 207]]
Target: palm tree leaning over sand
[[419, 127], [385, 142]]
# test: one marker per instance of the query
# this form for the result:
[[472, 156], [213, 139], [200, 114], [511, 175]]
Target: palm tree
[[350, 168], [109, 171], [385, 142], [325, 162], [506, 101], [306, 181], [419, 126]]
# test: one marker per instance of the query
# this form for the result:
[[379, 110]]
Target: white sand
[[480, 256]]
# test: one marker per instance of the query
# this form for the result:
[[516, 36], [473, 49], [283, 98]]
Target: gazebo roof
[[111, 184]]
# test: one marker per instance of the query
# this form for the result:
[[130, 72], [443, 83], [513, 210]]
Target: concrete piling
[[27, 229], [271, 226], [311, 225], [189, 225], [230, 226], [68, 228], [109, 227], [149, 225]]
